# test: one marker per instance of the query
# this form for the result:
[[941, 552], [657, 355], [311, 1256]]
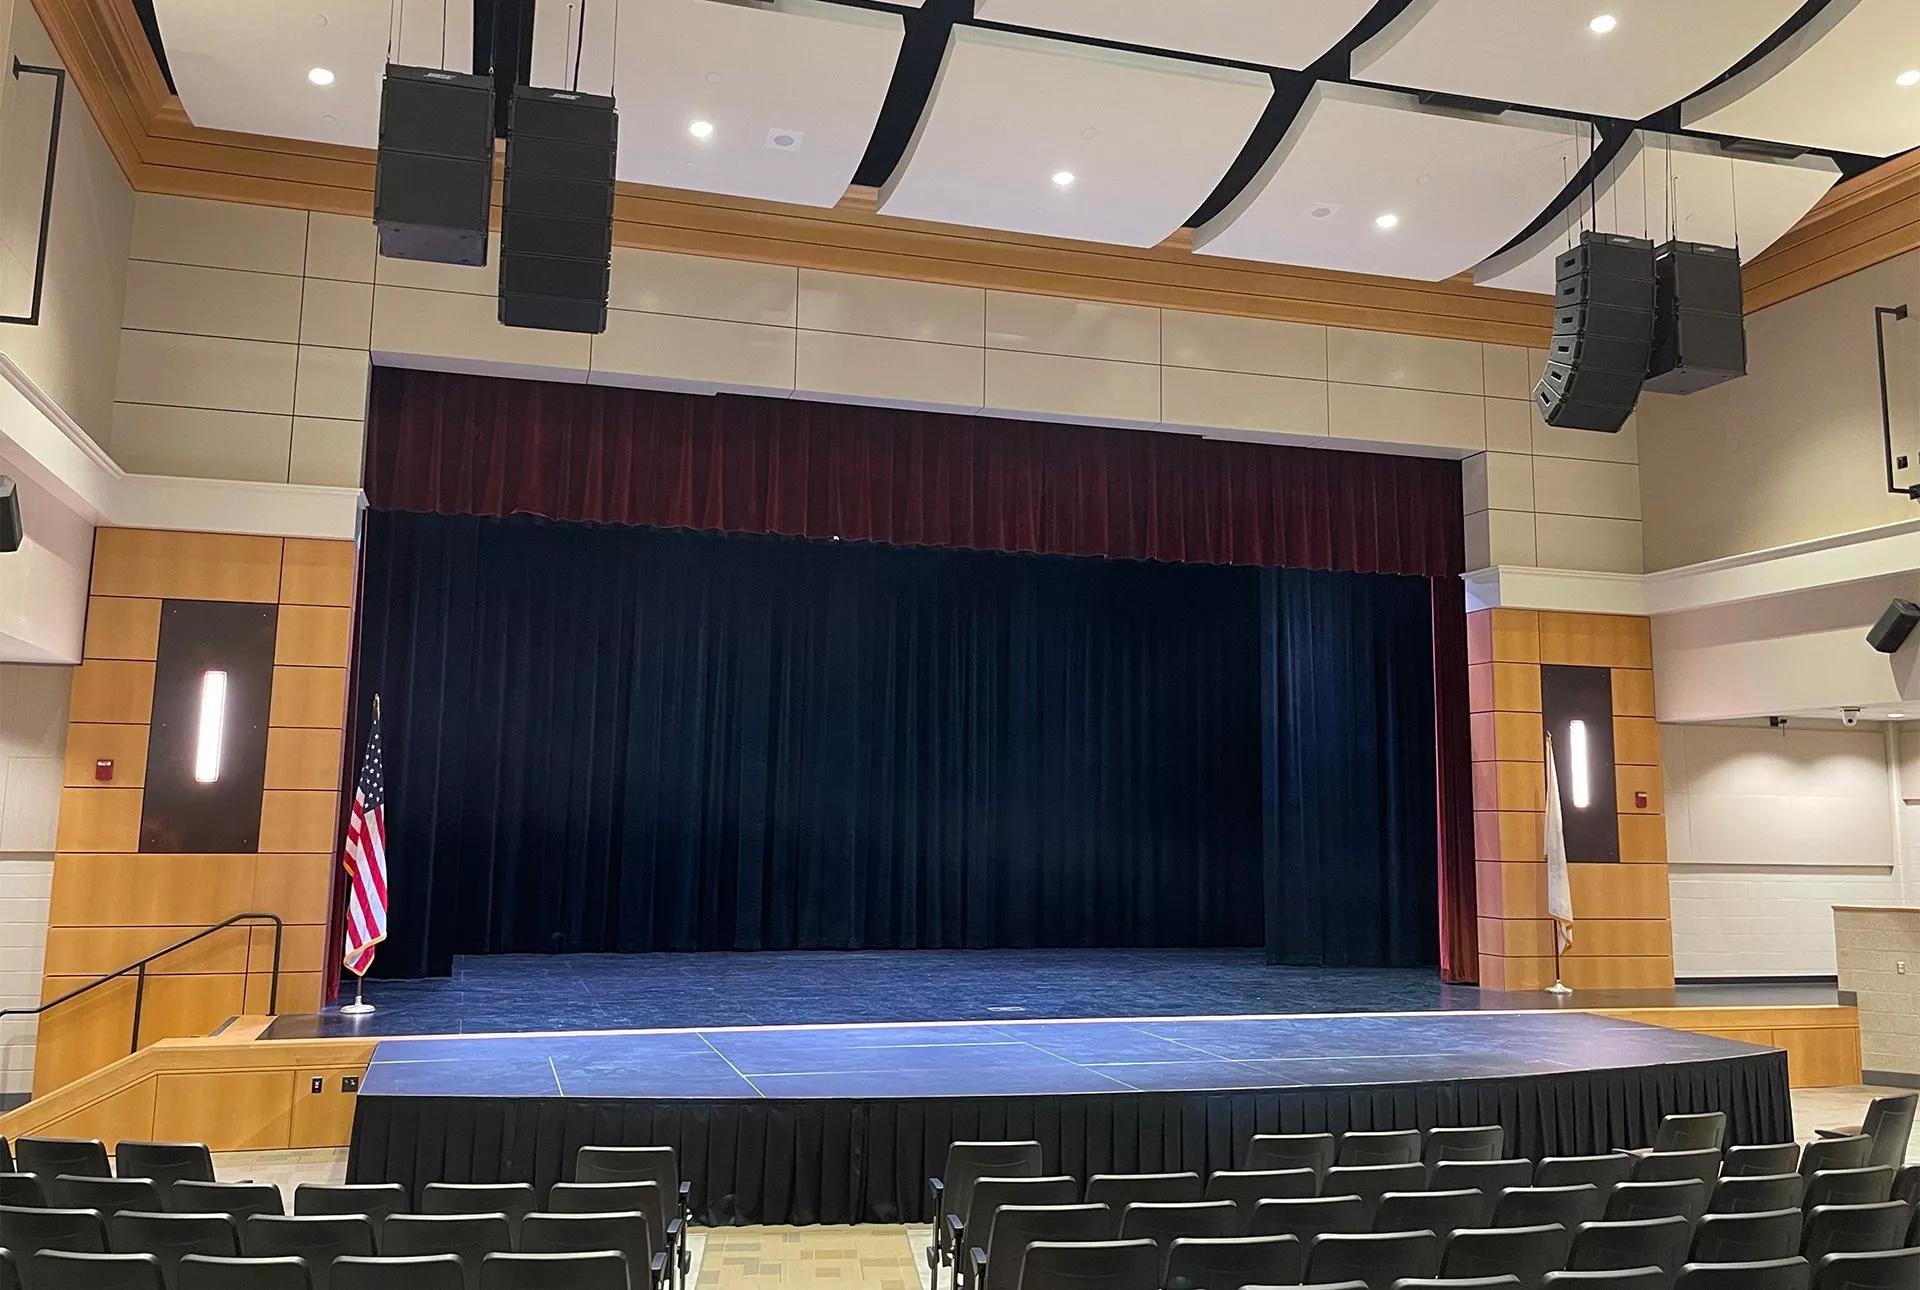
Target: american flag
[[365, 858]]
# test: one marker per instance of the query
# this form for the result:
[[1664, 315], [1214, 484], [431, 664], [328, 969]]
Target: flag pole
[[360, 1007], [1558, 986]]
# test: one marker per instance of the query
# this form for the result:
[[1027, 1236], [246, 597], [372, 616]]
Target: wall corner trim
[[1567, 590]]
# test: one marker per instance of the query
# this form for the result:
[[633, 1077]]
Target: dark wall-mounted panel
[[1584, 694], [180, 813]]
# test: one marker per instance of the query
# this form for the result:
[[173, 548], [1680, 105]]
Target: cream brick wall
[[249, 333], [33, 733], [1880, 963]]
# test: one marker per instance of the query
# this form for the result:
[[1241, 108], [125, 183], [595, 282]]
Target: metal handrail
[[139, 968]]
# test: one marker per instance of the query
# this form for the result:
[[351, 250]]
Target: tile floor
[[872, 1257]]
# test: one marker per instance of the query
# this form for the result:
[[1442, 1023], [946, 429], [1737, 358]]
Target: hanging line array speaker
[[556, 224], [1603, 322], [1700, 325], [433, 180]]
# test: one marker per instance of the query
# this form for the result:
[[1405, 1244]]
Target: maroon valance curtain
[[453, 444]]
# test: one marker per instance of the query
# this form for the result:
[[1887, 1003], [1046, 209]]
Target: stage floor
[[1025, 1059], [531, 993]]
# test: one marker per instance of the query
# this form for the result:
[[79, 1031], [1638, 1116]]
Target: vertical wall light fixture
[[1579, 765], [212, 727]]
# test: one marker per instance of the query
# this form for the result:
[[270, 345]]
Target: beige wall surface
[[33, 740], [1880, 963], [73, 353], [1793, 450]]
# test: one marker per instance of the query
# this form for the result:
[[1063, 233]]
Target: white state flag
[[1559, 892]]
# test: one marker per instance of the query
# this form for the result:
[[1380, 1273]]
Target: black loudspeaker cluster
[[433, 180], [556, 227], [1603, 306], [1891, 632], [1700, 325]]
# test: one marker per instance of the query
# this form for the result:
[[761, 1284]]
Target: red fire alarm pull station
[[103, 769], [1640, 798]]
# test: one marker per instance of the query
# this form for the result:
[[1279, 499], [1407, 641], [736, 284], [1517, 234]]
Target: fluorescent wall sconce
[[1578, 768], [213, 725]]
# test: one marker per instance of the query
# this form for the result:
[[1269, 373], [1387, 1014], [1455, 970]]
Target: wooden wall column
[[113, 903], [1623, 933]]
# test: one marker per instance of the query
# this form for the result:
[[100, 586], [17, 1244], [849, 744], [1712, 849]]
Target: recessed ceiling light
[[1063, 179], [320, 76], [1602, 24], [1908, 79], [701, 129], [1896, 716], [1388, 220]]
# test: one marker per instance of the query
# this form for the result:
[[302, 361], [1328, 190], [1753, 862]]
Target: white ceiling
[[1541, 53], [1460, 184], [244, 66], [1274, 33], [1706, 186], [1146, 139], [1830, 85]]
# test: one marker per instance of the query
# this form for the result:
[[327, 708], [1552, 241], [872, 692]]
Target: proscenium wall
[[248, 331], [33, 739]]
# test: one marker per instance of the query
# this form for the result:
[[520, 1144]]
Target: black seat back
[[585, 1233], [205, 1272], [1686, 1198], [166, 1163], [1747, 1238], [1836, 1153], [171, 1237], [108, 1195], [28, 1231], [1889, 1122], [1440, 1212], [1388, 1147], [1775, 1274], [1313, 1151], [1528, 1253], [470, 1236], [1538, 1206], [376, 1201], [51, 1157], [1309, 1217], [603, 1271], [28, 1190], [1706, 1131], [319, 1239], [1605, 1172], [1485, 1142], [1227, 1263], [1760, 1161], [515, 1200], [1246, 1188], [1164, 1222], [1636, 1243], [1090, 1265], [1377, 1258], [1672, 1166], [62, 1270], [1855, 1229], [1371, 1182], [1015, 1227], [1889, 1270], [241, 1200], [1867, 1186], [1122, 1190], [1489, 1176], [426, 1272], [967, 1163], [1621, 1279], [1757, 1193], [989, 1194]]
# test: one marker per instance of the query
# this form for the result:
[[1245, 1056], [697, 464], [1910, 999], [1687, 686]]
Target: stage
[[843, 1122]]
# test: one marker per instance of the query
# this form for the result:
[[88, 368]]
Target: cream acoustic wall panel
[[1665, 185], [1043, 136], [1545, 53], [784, 95], [1848, 80], [1275, 33], [245, 67], [1371, 181]]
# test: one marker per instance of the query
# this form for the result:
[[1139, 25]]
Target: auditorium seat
[[1906, 1185], [1313, 1151], [1535, 1206], [9, 1272], [1672, 1166], [1854, 1229], [1528, 1253], [204, 1272], [51, 1157], [108, 1195], [1757, 1193], [1760, 1161], [1121, 1190], [1163, 1222], [1747, 1238], [1371, 1182], [1015, 1227], [626, 1234], [606, 1198], [645, 1164], [970, 1231], [23, 1189], [1613, 1279], [1433, 1211], [1706, 1131], [470, 1236], [1389, 1147], [166, 1163], [319, 1239], [1309, 1217], [1227, 1263], [1605, 1172], [1889, 1123], [28, 1231], [427, 1272], [1891, 1270], [1635, 1243], [1867, 1186], [1686, 1198], [171, 1237], [1776, 1274], [239, 1199], [952, 1188], [1246, 1188], [1835, 1153], [515, 1200], [377, 1202], [1489, 1176], [1091, 1265], [1484, 1142], [603, 1271], [60, 1270], [1376, 1258], [1457, 1283]]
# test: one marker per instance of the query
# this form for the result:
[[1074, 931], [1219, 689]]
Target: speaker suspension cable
[[396, 16], [580, 46], [444, 23]]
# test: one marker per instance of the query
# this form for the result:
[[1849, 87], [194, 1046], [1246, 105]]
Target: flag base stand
[[359, 1007], [1558, 987]]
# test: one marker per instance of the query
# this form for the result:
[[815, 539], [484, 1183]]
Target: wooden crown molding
[[1868, 219]]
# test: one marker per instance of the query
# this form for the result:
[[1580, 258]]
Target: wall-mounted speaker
[[1699, 326], [556, 222], [1891, 632], [13, 530], [433, 180], [1602, 333]]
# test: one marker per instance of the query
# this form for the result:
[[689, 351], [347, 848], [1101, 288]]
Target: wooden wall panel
[[297, 820], [324, 1119], [1643, 839], [99, 819], [1631, 780], [1503, 687], [1509, 786], [120, 627], [94, 951], [304, 758], [311, 697], [1509, 835], [1636, 742], [248, 1109], [1632, 692], [1596, 640], [1503, 636], [318, 572], [147, 890], [296, 887], [1508, 736], [107, 690], [314, 636], [185, 566], [125, 746]]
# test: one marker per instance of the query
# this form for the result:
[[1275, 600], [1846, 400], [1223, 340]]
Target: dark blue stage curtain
[[628, 739]]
